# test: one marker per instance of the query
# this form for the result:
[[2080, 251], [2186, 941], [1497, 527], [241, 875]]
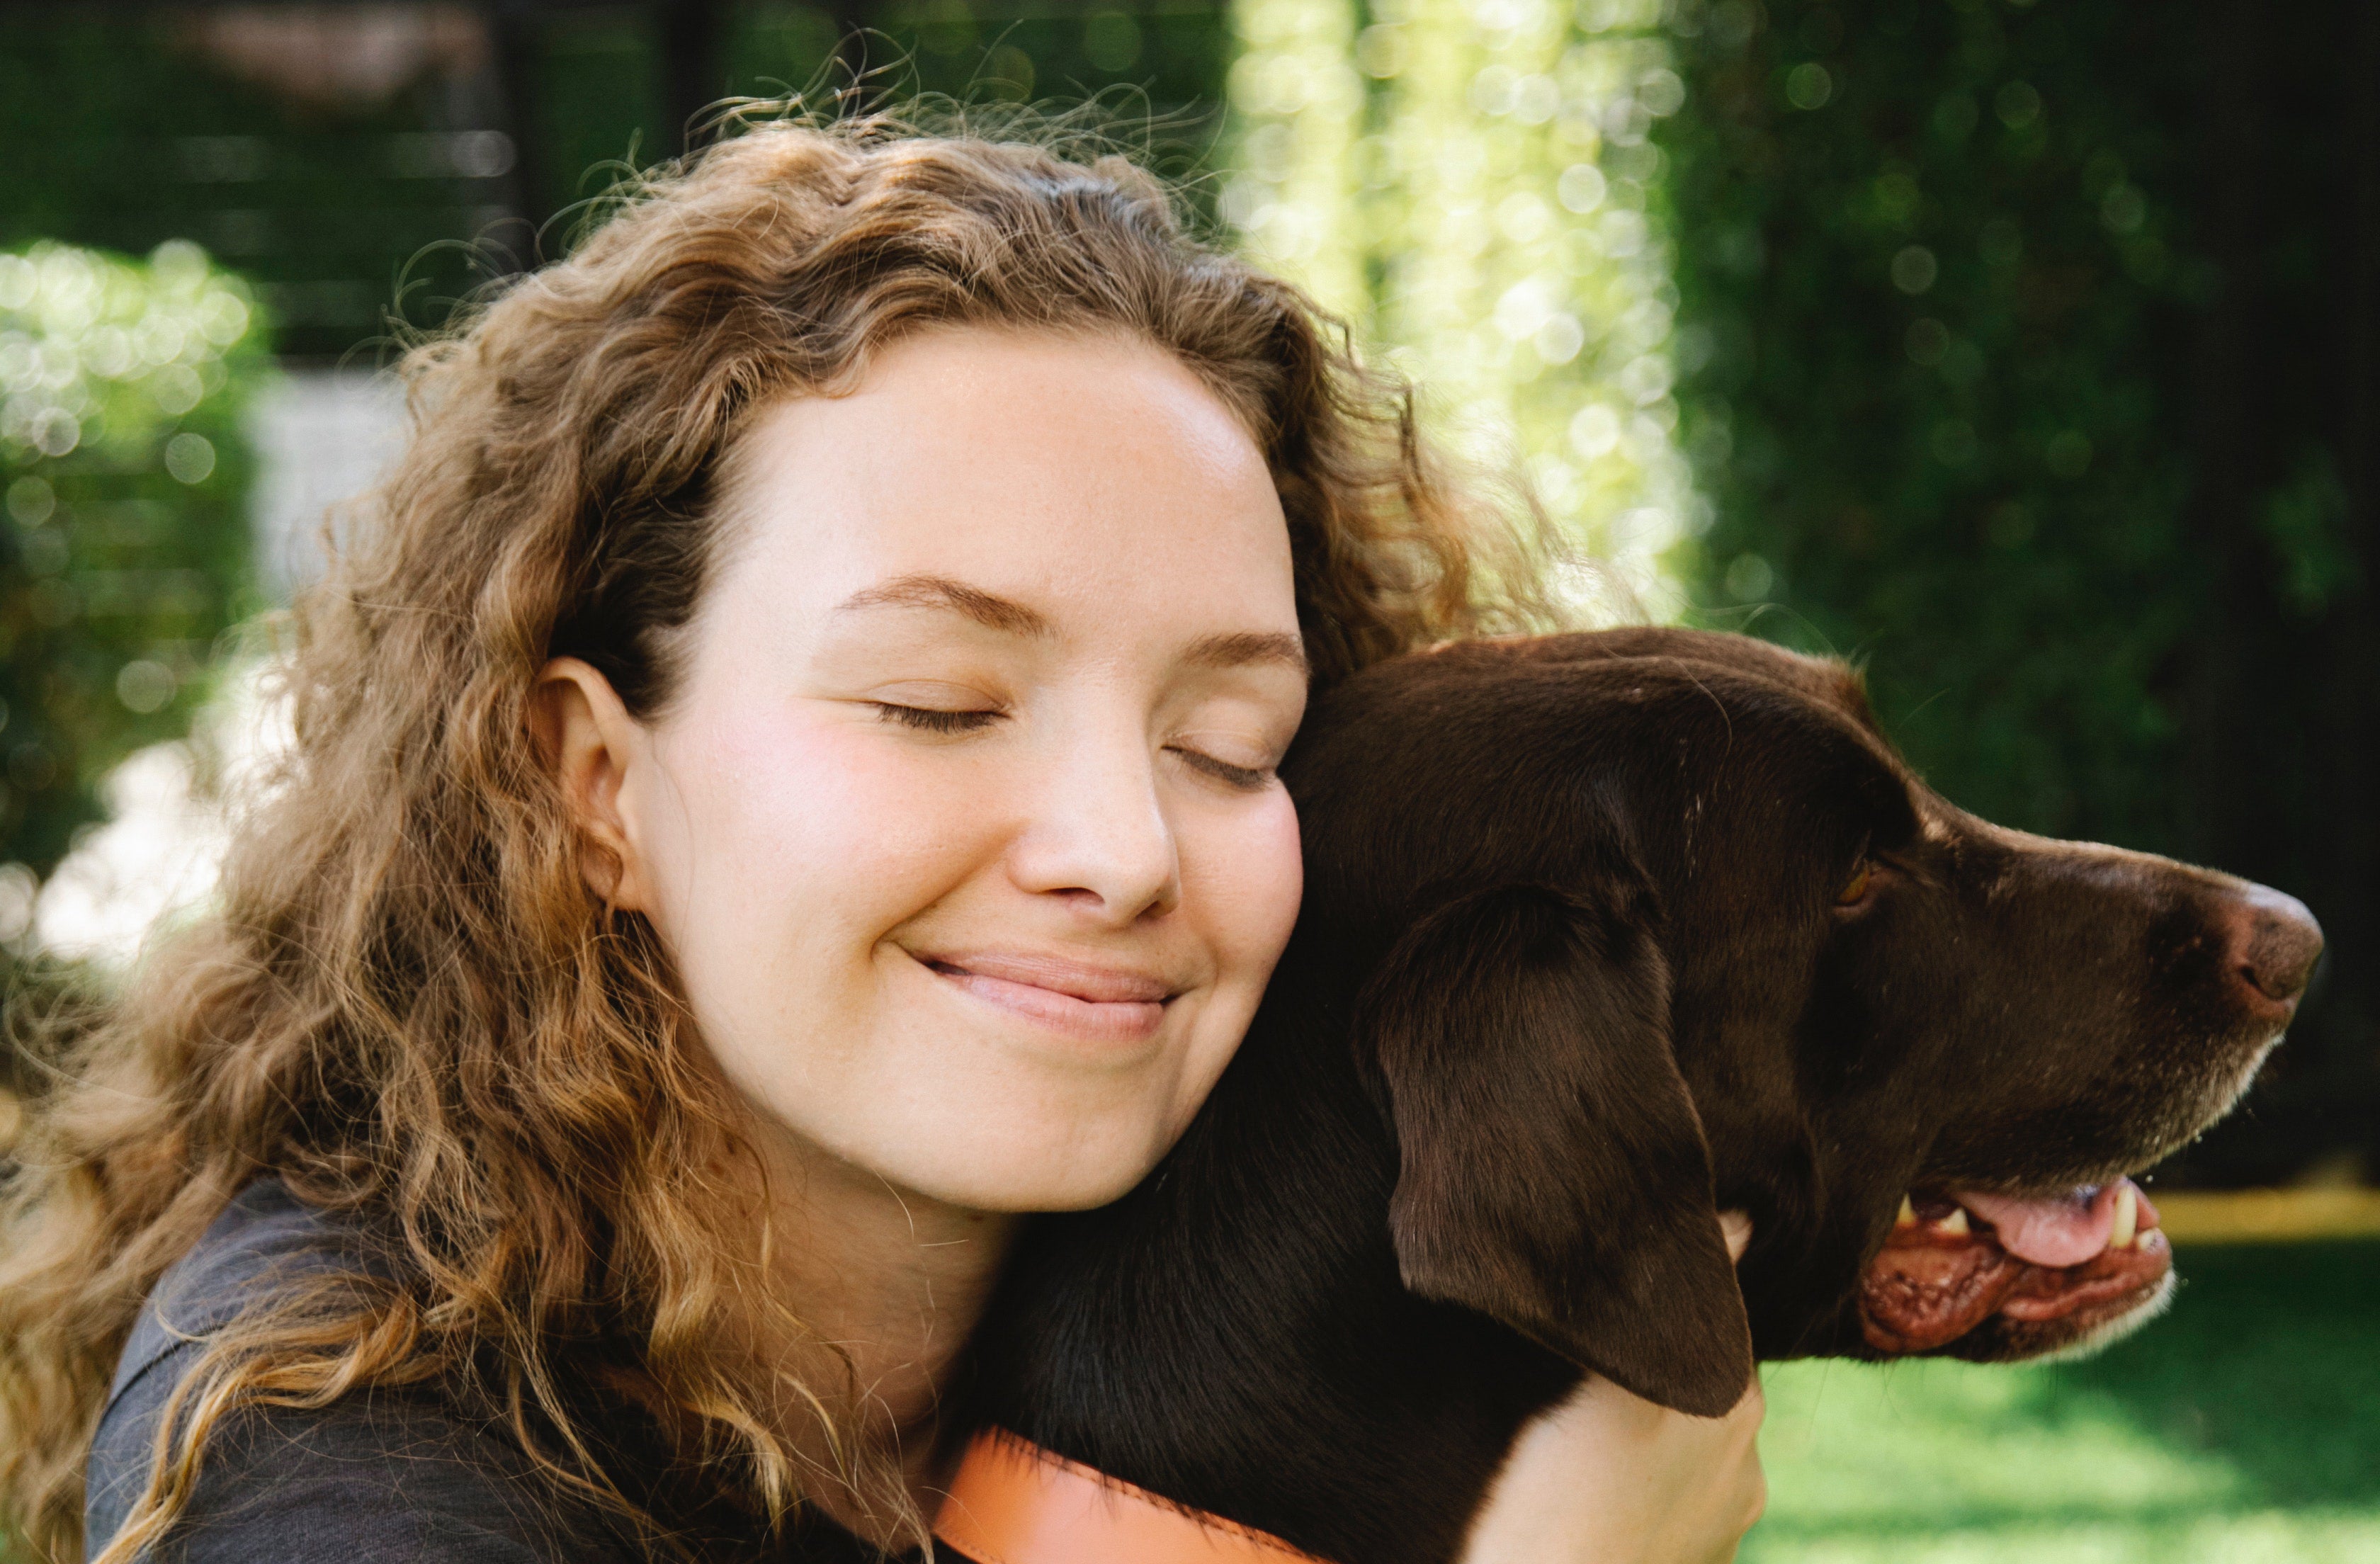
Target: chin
[[1021, 1162], [1063, 1189]]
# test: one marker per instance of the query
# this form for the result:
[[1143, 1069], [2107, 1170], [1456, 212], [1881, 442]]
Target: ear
[[592, 745], [1553, 1173]]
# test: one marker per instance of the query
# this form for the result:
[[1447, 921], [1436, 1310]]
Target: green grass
[[2244, 1429]]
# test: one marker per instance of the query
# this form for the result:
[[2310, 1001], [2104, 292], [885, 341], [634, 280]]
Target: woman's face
[[962, 826]]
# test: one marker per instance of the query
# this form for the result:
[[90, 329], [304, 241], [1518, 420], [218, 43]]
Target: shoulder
[[391, 1480], [369, 1479], [374, 1476], [264, 1239]]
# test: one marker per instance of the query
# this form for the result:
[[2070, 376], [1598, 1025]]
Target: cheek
[[1259, 878], [1242, 881], [790, 846]]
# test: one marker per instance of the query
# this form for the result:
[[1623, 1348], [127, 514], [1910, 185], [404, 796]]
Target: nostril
[[2278, 943]]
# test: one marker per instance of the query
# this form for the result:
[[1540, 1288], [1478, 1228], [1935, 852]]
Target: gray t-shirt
[[378, 1478]]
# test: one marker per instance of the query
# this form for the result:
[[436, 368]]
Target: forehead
[[1070, 472]]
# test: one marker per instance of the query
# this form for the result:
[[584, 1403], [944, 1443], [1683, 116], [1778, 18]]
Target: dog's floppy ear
[[1553, 1172]]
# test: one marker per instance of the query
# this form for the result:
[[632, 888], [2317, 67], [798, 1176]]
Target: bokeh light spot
[[189, 457], [145, 686], [2017, 104], [1808, 86], [1914, 269]]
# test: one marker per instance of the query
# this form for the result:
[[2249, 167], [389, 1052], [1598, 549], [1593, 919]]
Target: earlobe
[[591, 745]]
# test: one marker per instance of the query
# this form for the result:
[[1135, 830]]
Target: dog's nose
[[2274, 942]]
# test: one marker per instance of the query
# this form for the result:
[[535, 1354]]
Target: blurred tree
[[1468, 184], [125, 552], [2030, 356]]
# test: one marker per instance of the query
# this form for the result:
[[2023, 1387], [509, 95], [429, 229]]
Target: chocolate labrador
[[1604, 933]]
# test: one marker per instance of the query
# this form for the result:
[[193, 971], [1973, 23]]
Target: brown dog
[[1604, 933]]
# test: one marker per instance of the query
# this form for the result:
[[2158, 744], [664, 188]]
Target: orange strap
[[1014, 1502]]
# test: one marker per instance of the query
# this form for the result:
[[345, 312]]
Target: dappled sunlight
[[171, 808], [1475, 187]]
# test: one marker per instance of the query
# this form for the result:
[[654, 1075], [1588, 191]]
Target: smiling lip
[[1097, 1003]]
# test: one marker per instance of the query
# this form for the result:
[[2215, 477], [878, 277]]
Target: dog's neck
[[1264, 1361]]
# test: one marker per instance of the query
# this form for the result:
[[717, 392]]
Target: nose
[[1100, 839], [2273, 942]]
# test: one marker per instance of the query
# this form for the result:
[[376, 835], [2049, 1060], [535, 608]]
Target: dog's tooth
[[1955, 1224], [1908, 1217], [2128, 1218]]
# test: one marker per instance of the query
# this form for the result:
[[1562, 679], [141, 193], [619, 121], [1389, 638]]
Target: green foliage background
[[1964, 476], [121, 132], [119, 136], [2028, 358], [125, 550]]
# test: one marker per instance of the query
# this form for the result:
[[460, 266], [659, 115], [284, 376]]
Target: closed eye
[[1247, 779], [927, 718]]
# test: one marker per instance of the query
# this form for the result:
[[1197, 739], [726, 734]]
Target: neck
[[869, 1296]]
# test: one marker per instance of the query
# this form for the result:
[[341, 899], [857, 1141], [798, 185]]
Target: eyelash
[[926, 718], [1244, 778]]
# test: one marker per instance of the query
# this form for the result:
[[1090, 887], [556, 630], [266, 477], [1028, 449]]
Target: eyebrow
[[1249, 646], [939, 592], [1233, 649]]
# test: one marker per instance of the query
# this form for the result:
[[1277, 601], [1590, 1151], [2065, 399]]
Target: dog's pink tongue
[[2059, 1230]]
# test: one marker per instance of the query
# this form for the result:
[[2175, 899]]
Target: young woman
[[783, 789]]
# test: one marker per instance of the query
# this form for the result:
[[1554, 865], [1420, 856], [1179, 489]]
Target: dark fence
[[355, 157]]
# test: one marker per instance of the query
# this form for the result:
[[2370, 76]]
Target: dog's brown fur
[[1573, 977]]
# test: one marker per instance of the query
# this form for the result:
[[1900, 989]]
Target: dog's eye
[[1854, 890]]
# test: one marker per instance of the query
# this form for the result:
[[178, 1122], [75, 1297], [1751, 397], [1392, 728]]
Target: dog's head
[[1655, 923]]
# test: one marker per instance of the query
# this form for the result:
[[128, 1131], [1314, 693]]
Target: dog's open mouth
[[2056, 1269]]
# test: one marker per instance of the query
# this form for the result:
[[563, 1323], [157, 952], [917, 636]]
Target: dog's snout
[[2274, 942]]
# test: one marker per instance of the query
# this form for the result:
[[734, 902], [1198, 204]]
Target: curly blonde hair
[[406, 1005]]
